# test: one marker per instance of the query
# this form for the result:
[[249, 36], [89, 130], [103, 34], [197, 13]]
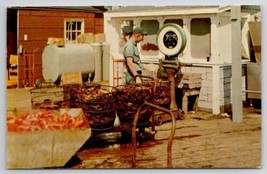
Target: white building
[[209, 32]]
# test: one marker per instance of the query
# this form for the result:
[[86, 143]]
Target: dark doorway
[[11, 41]]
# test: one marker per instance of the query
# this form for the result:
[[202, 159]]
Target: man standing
[[132, 55]]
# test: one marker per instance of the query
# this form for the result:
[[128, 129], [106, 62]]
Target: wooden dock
[[202, 140]]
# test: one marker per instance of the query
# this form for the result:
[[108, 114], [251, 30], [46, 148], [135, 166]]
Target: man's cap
[[127, 30], [139, 30]]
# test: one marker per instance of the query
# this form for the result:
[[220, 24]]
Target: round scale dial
[[171, 39]]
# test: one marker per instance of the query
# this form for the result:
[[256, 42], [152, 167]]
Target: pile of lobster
[[44, 120]]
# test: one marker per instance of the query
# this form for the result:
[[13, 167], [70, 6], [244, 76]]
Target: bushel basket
[[76, 92], [130, 98], [97, 102]]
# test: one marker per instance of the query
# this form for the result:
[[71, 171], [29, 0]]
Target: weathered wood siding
[[39, 25]]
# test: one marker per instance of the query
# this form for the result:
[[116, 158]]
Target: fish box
[[45, 148]]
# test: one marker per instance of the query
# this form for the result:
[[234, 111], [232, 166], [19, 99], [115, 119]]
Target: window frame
[[69, 31]]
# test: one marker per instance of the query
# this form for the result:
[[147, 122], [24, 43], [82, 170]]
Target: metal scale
[[171, 42]]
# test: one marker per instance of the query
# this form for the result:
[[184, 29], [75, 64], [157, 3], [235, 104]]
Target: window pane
[[73, 35], [200, 33], [79, 25], [151, 26], [67, 36], [73, 26], [149, 43]]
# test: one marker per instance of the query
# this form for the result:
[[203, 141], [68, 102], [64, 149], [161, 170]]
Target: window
[[151, 26], [149, 45], [73, 28], [200, 38]]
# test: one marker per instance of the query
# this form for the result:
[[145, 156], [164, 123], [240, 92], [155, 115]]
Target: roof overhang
[[149, 11]]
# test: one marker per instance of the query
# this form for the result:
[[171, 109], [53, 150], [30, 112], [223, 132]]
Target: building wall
[[205, 101], [36, 26], [216, 73]]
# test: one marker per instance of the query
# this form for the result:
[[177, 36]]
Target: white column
[[137, 23], [98, 61], [216, 89], [161, 21], [106, 61], [112, 35], [215, 56], [236, 64], [187, 29]]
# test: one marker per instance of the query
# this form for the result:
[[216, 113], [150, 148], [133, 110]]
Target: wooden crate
[[56, 41], [71, 77], [86, 38], [100, 38]]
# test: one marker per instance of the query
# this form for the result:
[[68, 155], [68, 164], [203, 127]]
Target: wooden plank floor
[[202, 140]]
